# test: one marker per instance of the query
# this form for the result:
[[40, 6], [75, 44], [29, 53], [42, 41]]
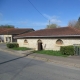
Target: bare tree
[[72, 23]]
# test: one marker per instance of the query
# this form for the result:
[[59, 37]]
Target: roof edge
[[49, 36]]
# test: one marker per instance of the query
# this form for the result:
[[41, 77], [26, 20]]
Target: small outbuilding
[[49, 39]]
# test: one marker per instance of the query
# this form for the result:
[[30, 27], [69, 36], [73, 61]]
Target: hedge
[[67, 50], [12, 45]]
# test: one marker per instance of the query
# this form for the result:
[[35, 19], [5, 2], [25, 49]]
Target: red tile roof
[[16, 31], [62, 31], [2, 30]]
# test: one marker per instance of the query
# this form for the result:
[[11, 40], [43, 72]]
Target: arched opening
[[39, 45], [25, 41], [59, 42]]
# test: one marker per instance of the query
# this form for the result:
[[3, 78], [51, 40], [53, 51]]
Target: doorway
[[40, 47]]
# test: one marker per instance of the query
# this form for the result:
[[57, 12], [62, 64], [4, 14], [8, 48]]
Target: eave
[[55, 36]]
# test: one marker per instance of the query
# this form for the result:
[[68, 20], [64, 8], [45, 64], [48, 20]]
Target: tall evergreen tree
[[79, 19]]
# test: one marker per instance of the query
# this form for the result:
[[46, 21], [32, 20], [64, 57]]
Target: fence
[[77, 49]]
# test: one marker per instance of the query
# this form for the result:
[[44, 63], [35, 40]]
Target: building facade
[[8, 34], [49, 39], [48, 44]]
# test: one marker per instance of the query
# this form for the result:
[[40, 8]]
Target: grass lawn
[[51, 52], [20, 48]]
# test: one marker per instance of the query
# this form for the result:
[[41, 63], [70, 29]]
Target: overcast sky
[[23, 14]]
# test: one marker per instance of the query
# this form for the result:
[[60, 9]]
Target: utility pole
[[49, 23], [7, 35]]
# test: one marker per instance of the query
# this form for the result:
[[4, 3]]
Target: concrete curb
[[11, 52], [55, 61], [17, 53]]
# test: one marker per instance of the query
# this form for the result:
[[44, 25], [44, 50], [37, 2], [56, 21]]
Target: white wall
[[1, 38], [48, 44], [7, 36]]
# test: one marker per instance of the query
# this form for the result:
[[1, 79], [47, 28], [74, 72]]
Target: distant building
[[7, 34]]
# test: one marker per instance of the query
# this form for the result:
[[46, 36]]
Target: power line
[[37, 9]]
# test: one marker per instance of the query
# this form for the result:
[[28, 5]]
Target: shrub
[[12, 45], [67, 50]]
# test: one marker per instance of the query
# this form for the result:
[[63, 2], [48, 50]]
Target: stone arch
[[59, 42], [40, 47], [39, 41], [25, 41]]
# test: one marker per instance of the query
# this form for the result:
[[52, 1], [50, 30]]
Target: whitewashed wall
[[1, 38], [48, 44], [7, 36]]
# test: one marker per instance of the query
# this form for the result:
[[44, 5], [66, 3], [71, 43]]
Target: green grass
[[51, 52], [20, 48]]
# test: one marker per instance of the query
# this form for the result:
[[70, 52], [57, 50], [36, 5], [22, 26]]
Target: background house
[[49, 39], [7, 34], [2, 30]]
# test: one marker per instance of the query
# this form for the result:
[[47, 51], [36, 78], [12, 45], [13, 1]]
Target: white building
[[7, 34], [49, 39]]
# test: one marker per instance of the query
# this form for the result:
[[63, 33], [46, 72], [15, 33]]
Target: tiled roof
[[2, 30], [63, 31], [16, 31]]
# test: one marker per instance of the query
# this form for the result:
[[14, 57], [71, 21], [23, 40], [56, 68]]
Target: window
[[25, 41], [59, 41], [8, 39]]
